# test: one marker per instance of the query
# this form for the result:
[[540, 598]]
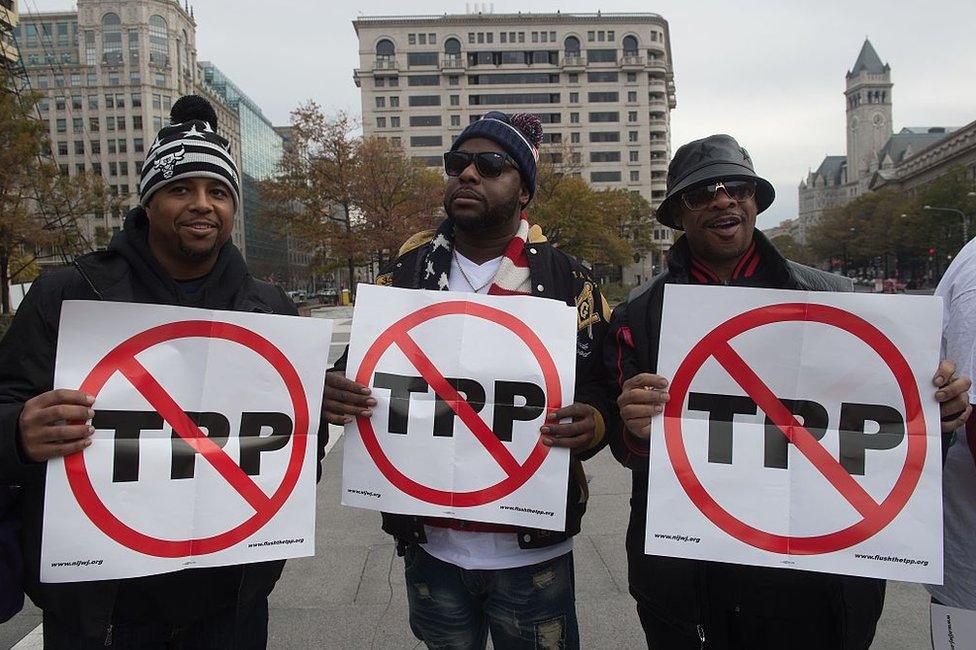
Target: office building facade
[[602, 85]]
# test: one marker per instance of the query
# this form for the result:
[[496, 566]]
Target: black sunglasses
[[488, 163], [698, 198]]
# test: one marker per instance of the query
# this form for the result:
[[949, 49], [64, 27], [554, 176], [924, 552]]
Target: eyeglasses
[[488, 163], [698, 198]]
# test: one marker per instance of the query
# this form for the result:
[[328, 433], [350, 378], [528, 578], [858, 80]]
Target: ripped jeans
[[527, 607]]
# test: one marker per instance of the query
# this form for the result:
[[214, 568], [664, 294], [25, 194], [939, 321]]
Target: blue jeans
[[527, 607], [232, 629]]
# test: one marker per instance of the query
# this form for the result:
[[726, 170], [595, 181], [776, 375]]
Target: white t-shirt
[[476, 550], [958, 290]]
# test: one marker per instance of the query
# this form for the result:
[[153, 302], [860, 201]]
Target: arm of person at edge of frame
[[643, 397]]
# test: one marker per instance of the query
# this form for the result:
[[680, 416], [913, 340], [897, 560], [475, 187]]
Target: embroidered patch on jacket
[[587, 314]]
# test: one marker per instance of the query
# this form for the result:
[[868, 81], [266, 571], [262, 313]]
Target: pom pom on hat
[[193, 107]]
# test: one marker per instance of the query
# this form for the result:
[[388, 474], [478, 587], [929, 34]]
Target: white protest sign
[[802, 432], [204, 452], [463, 383], [953, 628]]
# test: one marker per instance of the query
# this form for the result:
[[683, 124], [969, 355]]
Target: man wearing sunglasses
[[466, 580], [714, 195]]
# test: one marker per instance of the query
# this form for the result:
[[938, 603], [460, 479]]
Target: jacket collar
[[128, 272], [776, 266]]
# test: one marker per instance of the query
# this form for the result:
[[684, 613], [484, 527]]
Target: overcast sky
[[769, 73]]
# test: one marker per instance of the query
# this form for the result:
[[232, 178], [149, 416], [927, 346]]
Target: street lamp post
[[965, 219]]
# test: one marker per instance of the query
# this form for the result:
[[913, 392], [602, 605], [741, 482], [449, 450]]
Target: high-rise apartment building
[[109, 73], [261, 149], [8, 22], [602, 85]]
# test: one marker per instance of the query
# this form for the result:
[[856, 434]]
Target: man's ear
[[524, 196]]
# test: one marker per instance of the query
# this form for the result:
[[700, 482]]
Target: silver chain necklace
[[465, 275]]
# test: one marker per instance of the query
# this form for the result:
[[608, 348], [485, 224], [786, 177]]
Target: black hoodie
[[126, 272]]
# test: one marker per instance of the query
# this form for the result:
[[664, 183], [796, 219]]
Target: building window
[[396, 141], [137, 145], [425, 120], [631, 116], [95, 146], [603, 97], [158, 40], [602, 77], [411, 39], [111, 145], [604, 177], [111, 39], [455, 100], [381, 102], [630, 45], [424, 80], [604, 156], [573, 98], [604, 116], [632, 136], [59, 103], [631, 77], [379, 82], [574, 138], [77, 125], [93, 124], [62, 148], [573, 78], [136, 100], [632, 96], [79, 147], [385, 50], [394, 102], [137, 123], [604, 136], [454, 80], [381, 122], [426, 141], [601, 56], [634, 156], [574, 118], [395, 122], [456, 119], [424, 100]]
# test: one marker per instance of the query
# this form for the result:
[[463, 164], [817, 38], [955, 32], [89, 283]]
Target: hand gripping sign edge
[[123, 359], [874, 516], [517, 473]]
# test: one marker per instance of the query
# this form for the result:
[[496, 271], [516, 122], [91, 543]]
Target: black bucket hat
[[715, 158]]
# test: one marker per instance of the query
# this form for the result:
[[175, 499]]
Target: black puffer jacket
[[126, 272], [557, 276], [732, 606]]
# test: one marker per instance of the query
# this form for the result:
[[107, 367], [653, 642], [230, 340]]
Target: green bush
[[615, 292]]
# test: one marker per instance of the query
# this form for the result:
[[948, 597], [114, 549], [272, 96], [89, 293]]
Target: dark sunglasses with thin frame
[[698, 198], [488, 163]]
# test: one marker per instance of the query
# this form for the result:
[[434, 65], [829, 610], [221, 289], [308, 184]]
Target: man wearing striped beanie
[[464, 579], [174, 249]]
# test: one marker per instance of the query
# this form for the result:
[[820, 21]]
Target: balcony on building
[[452, 63], [632, 61]]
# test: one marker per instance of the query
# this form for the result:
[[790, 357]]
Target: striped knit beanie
[[520, 135], [189, 148]]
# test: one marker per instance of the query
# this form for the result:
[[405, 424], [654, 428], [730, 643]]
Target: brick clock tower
[[868, 113]]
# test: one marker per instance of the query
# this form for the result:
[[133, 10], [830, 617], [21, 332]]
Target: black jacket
[[126, 272], [557, 276], [734, 604]]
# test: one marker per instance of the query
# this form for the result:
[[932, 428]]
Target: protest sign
[[802, 432], [204, 452], [463, 384]]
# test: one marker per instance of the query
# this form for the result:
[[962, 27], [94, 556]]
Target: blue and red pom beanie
[[520, 135]]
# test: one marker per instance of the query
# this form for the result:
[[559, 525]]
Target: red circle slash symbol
[[516, 473], [874, 516], [122, 359]]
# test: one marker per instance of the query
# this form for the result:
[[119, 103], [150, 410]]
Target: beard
[[199, 255], [486, 217]]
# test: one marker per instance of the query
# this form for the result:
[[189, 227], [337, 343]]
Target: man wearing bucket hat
[[714, 196]]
